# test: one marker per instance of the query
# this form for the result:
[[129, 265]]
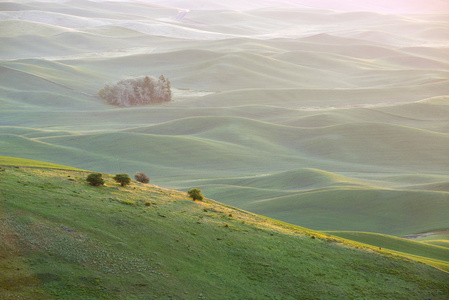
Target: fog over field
[[332, 115]]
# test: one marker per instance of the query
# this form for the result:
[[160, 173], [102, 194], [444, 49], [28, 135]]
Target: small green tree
[[123, 179], [95, 179], [196, 194], [141, 177]]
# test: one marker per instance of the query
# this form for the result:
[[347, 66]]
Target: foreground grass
[[62, 238]]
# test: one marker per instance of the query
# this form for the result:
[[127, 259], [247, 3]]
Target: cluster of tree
[[137, 91], [96, 179]]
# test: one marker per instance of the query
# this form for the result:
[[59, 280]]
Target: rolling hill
[[426, 250], [64, 238]]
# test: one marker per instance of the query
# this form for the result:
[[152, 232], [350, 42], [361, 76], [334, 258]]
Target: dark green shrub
[[141, 177], [123, 179], [196, 194], [95, 179]]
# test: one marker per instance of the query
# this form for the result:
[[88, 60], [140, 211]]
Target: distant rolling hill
[[364, 209]]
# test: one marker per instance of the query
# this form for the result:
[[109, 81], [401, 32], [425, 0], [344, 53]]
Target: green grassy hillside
[[426, 252], [22, 162], [62, 238], [392, 212], [438, 237]]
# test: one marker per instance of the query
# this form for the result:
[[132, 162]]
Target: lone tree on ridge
[[196, 194]]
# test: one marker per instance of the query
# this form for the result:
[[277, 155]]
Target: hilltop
[[62, 238]]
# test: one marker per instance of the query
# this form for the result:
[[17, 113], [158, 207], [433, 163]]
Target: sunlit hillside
[[64, 239]]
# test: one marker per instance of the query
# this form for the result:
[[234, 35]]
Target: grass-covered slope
[[440, 238], [61, 238], [22, 162], [427, 252], [387, 211]]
